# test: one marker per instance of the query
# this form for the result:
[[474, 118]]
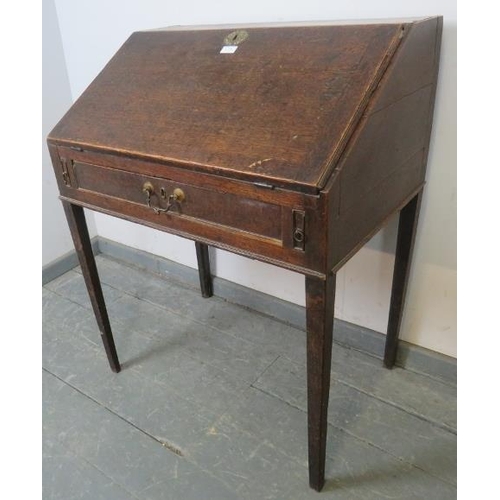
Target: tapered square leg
[[81, 240], [204, 269], [407, 229], [320, 299]]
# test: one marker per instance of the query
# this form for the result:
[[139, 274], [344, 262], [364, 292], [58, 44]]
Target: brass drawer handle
[[175, 198]]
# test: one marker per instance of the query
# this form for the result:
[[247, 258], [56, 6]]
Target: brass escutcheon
[[298, 235], [236, 37]]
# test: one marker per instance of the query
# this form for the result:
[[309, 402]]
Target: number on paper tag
[[228, 49]]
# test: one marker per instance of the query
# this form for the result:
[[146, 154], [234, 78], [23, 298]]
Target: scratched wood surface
[[279, 108]]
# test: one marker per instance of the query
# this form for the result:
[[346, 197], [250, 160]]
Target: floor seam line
[[265, 370], [434, 423], [428, 420], [193, 462], [387, 452], [278, 398], [183, 456], [111, 411], [358, 438]]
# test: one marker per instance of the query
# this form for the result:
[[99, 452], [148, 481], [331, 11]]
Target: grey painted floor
[[211, 401]]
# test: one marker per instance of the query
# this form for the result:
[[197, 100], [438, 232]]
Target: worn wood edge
[[356, 122], [205, 168], [291, 24], [207, 241], [437, 57], [65, 263], [331, 174], [410, 357], [277, 195]]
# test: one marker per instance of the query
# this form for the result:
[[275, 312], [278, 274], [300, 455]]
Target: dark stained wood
[[414, 64], [320, 300], [83, 247], [367, 215], [322, 127], [204, 269], [166, 171], [407, 229], [200, 203], [311, 261], [388, 141], [385, 160], [256, 114]]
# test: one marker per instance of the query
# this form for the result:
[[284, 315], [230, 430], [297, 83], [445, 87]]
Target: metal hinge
[[264, 185], [299, 236], [65, 171]]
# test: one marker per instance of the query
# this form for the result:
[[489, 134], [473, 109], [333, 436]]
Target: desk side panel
[[384, 163]]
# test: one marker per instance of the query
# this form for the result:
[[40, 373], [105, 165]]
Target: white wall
[[56, 99], [93, 30]]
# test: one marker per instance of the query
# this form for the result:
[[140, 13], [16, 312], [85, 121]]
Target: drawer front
[[240, 217], [205, 205]]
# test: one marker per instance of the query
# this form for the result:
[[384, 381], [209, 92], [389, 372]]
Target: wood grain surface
[[277, 109]]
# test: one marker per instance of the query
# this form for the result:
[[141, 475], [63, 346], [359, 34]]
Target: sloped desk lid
[[277, 110]]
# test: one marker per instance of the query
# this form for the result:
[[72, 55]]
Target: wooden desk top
[[280, 109]]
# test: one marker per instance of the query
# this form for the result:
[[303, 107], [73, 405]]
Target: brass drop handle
[[175, 198], [148, 189]]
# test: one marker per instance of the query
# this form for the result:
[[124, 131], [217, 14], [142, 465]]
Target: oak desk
[[290, 145]]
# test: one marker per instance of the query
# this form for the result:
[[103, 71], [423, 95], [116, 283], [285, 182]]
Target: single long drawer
[[207, 205]]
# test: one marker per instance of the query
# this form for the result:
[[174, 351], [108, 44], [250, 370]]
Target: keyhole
[[298, 236]]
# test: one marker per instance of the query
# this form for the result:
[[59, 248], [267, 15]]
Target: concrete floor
[[211, 402]]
